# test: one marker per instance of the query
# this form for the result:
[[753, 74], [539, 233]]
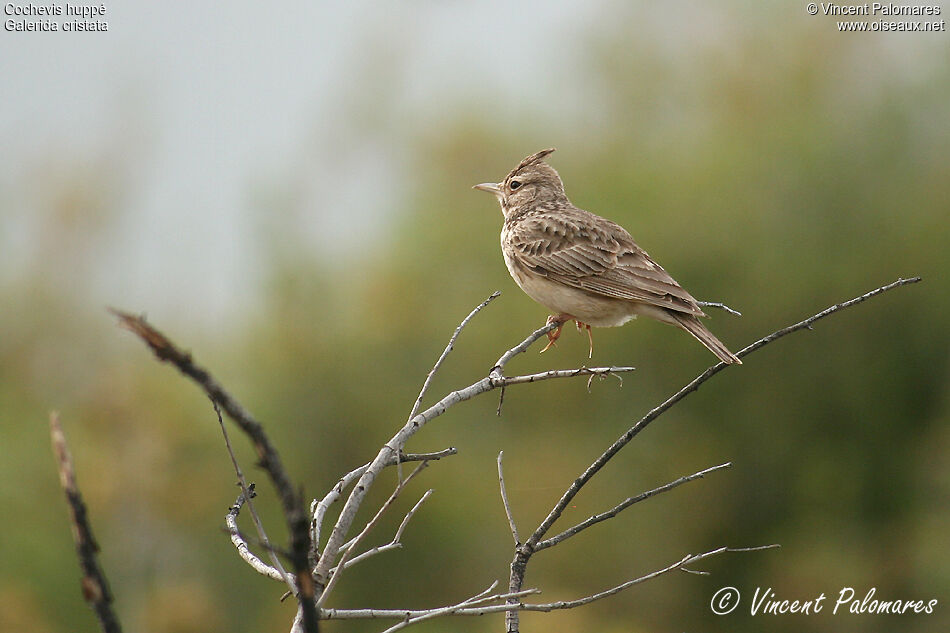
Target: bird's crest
[[530, 160]]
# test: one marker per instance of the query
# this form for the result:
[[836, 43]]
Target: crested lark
[[581, 266]]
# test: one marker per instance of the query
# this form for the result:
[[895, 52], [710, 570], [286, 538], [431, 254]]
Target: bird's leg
[[555, 334], [590, 337]]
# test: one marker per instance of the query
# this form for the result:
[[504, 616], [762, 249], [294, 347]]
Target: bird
[[583, 267]]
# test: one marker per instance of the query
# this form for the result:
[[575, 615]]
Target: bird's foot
[[555, 334], [590, 337]]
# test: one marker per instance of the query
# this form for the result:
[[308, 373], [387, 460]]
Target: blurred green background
[[286, 192]]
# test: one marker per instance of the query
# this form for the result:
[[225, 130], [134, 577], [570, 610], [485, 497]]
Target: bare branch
[[524, 552], [721, 306], [504, 500], [411, 616], [807, 323], [520, 348], [505, 381], [682, 393], [95, 587], [394, 543], [305, 541], [335, 577], [447, 350], [241, 544], [269, 459], [679, 565], [470, 608], [319, 509], [623, 505], [339, 554], [392, 448], [443, 611], [247, 496]]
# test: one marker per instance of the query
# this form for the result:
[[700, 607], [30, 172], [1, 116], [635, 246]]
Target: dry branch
[[524, 552], [95, 588], [448, 349], [339, 554], [411, 616], [623, 505], [679, 565], [396, 540], [240, 543], [394, 446], [291, 502], [341, 566], [319, 508], [247, 496]]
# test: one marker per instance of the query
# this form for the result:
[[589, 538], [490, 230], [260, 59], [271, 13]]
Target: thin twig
[[319, 508], [95, 587], [291, 502], [480, 598], [240, 543], [443, 611], [623, 505], [721, 306], [448, 348], [394, 543], [504, 501], [246, 494], [807, 323], [520, 348], [680, 564], [335, 578]]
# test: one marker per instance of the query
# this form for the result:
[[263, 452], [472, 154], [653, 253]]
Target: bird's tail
[[695, 327]]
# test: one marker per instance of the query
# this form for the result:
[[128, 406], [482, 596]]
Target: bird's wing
[[579, 249]]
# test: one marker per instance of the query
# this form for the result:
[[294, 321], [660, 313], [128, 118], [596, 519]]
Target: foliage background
[[765, 159]]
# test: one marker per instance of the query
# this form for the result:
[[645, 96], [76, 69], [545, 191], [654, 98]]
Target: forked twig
[[623, 505], [525, 551], [392, 448], [240, 543], [247, 497], [335, 577], [692, 386], [291, 502], [319, 508], [339, 555], [396, 540], [470, 608]]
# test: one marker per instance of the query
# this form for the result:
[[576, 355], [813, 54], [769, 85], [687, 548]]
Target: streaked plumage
[[581, 266]]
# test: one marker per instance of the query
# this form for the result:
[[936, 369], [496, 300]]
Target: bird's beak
[[490, 187]]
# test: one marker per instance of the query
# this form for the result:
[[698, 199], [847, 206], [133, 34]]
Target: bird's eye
[[514, 184]]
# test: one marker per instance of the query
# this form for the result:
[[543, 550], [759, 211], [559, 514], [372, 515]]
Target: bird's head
[[531, 183]]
